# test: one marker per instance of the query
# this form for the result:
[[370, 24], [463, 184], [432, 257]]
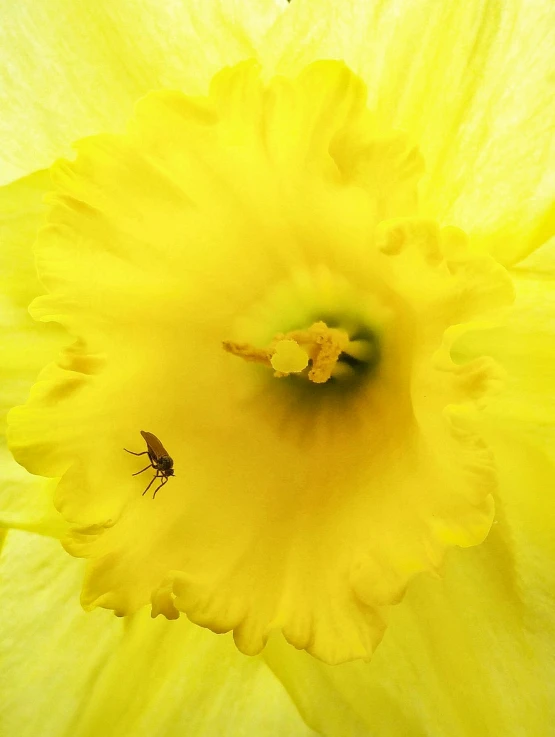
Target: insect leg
[[164, 481], [144, 469], [144, 453], [151, 482]]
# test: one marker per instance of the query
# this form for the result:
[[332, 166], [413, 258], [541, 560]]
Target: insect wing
[[155, 448]]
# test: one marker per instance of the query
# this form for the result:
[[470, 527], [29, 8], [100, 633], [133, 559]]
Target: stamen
[[319, 345]]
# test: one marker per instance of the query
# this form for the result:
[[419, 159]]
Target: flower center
[[276, 220], [324, 352]]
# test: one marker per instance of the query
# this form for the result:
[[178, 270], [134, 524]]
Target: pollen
[[318, 346], [289, 358]]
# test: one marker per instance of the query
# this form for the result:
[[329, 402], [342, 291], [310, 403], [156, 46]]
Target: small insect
[[160, 460]]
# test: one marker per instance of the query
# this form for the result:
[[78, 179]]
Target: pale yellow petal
[[70, 69], [463, 656], [518, 423], [26, 500], [472, 654], [49, 648], [524, 346], [70, 674], [539, 264], [473, 84]]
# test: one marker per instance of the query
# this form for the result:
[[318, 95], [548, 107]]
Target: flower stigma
[[328, 453]]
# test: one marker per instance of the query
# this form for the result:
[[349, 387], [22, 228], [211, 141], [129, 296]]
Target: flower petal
[[145, 678], [27, 500], [98, 58], [462, 656], [290, 509], [471, 82], [472, 653], [525, 347], [26, 347], [519, 423]]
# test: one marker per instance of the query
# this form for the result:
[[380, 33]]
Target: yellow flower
[[296, 267]]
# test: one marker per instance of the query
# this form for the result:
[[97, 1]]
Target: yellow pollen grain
[[290, 352], [289, 358]]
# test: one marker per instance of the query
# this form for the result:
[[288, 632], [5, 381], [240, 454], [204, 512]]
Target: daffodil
[[298, 267]]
